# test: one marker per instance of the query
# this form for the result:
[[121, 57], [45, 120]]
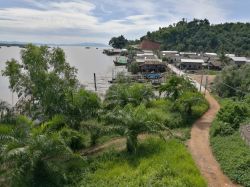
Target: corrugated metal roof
[[173, 52], [230, 55], [211, 54], [239, 59], [187, 53], [192, 60]]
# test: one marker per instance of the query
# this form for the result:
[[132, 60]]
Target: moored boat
[[121, 61]]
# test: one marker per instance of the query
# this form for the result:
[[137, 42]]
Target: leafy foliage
[[123, 94], [133, 68], [233, 81], [175, 87], [131, 122], [233, 113], [44, 78], [228, 146], [29, 159], [47, 86], [118, 42]]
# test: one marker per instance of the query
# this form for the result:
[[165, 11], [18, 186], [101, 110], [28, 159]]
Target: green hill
[[201, 36]]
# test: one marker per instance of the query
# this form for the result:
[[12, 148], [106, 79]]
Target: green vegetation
[[131, 122], [31, 158], [233, 82], [229, 148], [43, 141], [118, 42], [201, 36], [157, 163]]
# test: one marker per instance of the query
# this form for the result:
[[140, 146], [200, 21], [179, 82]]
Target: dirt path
[[200, 149]]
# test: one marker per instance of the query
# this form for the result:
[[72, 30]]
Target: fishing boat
[[121, 61]]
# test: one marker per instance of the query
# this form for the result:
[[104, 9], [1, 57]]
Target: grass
[[234, 157], [157, 163]]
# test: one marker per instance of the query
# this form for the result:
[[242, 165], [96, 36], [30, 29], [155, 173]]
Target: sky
[[78, 21]]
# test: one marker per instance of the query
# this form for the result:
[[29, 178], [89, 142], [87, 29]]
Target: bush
[[221, 128], [123, 94], [134, 68], [73, 139], [175, 120], [55, 124], [233, 113]]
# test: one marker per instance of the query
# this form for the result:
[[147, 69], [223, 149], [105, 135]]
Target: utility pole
[[12, 99], [201, 80], [95, 82], [206, 85]]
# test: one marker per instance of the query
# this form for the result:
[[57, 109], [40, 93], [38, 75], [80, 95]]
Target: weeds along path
[[200, 149]]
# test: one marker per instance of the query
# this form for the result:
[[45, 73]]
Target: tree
[[43, 78], [122, 94], [82, 105], [118, 42], [96, 130], [131, 122], [186, 101], [35, 159], [233, 81], [134, 68], [175, 87]]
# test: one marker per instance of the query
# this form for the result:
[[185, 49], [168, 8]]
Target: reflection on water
[[87, 61]]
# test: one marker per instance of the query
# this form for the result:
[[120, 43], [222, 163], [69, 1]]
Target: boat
[[121, 61]]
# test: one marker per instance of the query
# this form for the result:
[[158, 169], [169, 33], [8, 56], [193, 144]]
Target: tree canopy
[[48, 85], [233, 81], [118, 42]]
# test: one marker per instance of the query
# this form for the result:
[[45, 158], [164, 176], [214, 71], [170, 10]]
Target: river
[[87, 61]]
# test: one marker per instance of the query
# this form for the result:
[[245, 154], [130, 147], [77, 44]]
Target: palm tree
[[131, 122], [123, 94], [175, 87], [33, 159]]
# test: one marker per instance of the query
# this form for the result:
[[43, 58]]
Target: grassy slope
[[157, 163], [234, 157]]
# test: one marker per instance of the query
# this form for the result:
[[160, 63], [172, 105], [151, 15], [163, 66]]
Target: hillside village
[[149, 61]]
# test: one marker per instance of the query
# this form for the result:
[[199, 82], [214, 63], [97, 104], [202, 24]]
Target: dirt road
[[200, 149]]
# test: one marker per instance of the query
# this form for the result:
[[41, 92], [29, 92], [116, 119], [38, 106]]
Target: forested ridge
[[201, 36]]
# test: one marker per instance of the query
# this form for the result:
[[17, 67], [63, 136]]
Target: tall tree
[[43, 78], [118, 42]]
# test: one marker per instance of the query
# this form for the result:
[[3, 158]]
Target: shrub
[[233, 113], [73, 139], [55, 124], [222, 129], [123, 94], [134, 68]]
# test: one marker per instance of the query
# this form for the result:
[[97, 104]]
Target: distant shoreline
[[13, 44]]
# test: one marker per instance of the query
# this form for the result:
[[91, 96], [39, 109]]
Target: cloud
[[72, 21]]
